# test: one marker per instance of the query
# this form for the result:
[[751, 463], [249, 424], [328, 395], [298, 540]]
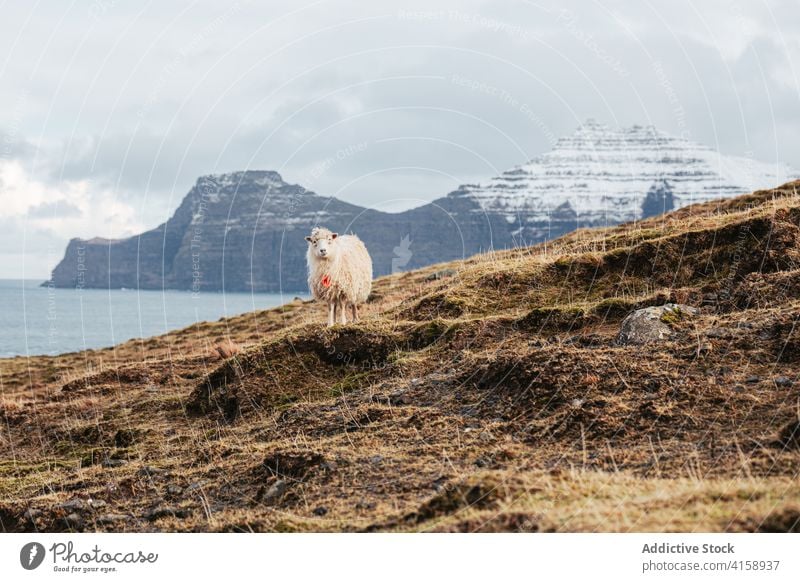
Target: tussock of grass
[[483, 395]]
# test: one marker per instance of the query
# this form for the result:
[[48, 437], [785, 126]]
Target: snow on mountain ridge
[[603, 175]]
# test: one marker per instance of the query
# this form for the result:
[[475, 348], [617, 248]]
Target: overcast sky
[[110, 109]]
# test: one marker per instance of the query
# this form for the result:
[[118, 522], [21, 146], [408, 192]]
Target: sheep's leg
[[342, 307], [354, 309], [331, 313]]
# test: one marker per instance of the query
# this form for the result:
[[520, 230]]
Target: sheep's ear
[[334, 234], [308, 238]]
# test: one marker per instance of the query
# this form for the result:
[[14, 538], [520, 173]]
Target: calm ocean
[[38, 320]]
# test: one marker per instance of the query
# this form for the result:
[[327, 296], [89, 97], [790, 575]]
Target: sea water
[[37, 320]]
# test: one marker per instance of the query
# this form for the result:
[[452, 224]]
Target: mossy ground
[[494, 398]]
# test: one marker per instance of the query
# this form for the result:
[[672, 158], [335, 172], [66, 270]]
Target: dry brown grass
[[483, 395]]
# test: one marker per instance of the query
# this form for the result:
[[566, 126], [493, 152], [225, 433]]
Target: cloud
[[38, 218], [117, 107], [57, 209]]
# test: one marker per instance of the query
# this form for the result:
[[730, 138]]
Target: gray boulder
[[652, 324]]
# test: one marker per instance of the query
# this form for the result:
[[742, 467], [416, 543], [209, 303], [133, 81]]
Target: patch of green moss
[[17, 478], [350, 383], [75, 449], [672, 316]]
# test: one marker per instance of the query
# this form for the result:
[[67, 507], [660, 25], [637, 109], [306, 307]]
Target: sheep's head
[[322, 243]]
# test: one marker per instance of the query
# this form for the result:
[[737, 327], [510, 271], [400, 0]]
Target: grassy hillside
[[483, 395]]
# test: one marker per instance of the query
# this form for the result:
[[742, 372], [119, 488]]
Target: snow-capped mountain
[[244, 231], [600, 175]]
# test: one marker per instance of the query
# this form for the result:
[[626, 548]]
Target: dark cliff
[[244, 231]]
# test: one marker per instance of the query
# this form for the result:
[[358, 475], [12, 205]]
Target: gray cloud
[[136, 100], [56, 209]]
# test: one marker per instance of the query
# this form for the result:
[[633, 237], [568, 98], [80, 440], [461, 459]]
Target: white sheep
[[339, 272]]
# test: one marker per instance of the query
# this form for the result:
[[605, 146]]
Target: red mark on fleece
[[326, 281]]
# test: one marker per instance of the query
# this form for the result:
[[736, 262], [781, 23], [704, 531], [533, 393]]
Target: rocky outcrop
[[245, 231], [652, 324]]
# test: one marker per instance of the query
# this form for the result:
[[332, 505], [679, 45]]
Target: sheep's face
[[322, 243]]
